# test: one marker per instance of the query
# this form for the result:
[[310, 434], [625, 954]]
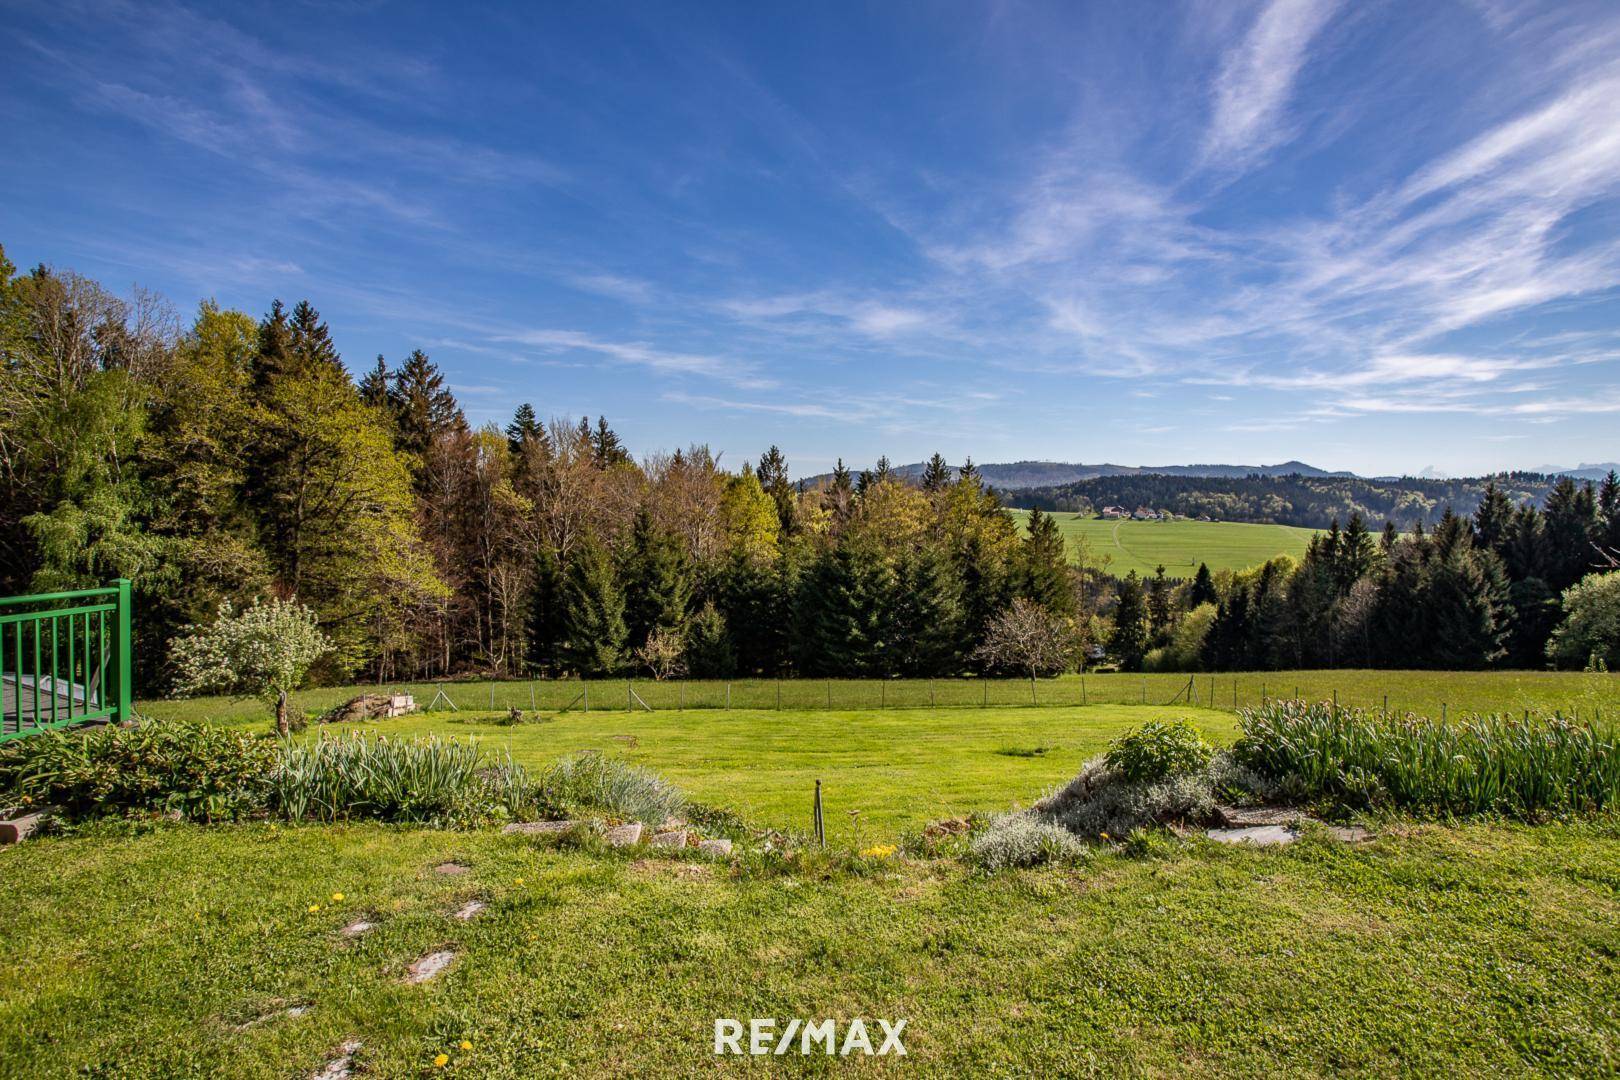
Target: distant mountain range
[[1014, 475]]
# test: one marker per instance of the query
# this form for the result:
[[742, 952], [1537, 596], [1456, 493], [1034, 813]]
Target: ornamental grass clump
[[581, 783], [1517, 766], [431, 780]]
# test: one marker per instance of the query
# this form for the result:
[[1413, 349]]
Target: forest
[[1312, 502], [233, 456]]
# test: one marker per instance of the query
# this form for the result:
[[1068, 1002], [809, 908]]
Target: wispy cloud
[[640, 354], [1252, 91]]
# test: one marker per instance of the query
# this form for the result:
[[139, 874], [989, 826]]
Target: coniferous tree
[[1044, 575], [423, 407], [1493, 520], [1203, 588], [374, 385], [1160, 610], [523, 429], [546, 627], [593, 612], [275, 347], [657, 581], [310, 346], [606, 447], [1129, 642], [927, 615], [1608, 502], [845, 608], [936, 474], [1570, 524], [709, 653], [773, 478]]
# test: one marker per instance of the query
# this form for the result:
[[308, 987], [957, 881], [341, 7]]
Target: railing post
[[126, 661]]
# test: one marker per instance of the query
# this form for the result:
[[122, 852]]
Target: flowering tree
[[263, 652], [664, 653]]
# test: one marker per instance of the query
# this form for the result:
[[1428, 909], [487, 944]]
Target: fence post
[[531, 693], [821, 828], [883, 693], [1386, 704], [492, 696], [585, 688], [680, 696], [1442, 712], [1082, 689], [984, 695], [126, 662], [728, 695], [829, 693], [629, 697], [778, 693], [1144, 689], [930, 693], [1234, 691], [1033, 700]]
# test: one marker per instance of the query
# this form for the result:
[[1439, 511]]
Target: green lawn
[[1178, 545], [1419, 691], [173, 950]]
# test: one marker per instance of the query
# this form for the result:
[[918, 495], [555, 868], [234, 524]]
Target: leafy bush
[[1156, 751], [431, 780], [202, 772], [1497, 764], [590, 781], [1014, 840], [1590, 633]]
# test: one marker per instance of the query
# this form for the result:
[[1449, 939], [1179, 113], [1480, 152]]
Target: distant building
[[1115, 512], [1144, 514]]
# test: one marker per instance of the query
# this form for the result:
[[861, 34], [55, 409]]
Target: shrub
[[432, 780], [1590, 632], [590, 781], [1156, 751], [202, 772], [1014, 840], [262, 652], [1101, 802], [1496, 764]]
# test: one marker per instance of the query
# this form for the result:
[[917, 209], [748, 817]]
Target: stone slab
[[675, 838], [1255, 835], [340, 1067], [429, 966], [539, 828], [469, 910], [624, 835], [19, 829], [715, 847], [1244, 817]]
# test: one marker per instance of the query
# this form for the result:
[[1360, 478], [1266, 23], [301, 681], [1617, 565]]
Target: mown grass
[[1428, 692], [1472, 950], [1179, 546]]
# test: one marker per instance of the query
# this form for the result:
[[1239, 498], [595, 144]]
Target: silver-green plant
[[592, 782], [1024, 839]]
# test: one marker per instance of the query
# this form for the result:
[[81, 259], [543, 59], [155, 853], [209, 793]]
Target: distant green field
[[1179, 545]]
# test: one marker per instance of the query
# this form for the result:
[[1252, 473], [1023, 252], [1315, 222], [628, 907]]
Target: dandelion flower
[[466, 1045], [520, 881], [313, 908], [441, 1061], [337, 896]]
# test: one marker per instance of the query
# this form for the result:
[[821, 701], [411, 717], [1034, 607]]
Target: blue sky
[[1377, 236]]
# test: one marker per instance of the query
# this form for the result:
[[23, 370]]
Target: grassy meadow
[[176, 950], [1177, 545]]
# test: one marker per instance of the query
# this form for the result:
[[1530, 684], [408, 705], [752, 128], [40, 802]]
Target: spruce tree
[[275, 347], [773, 477], [593, 612], [927, 615], [524, 428], [845, 608], [1608, 502], [545, 627], [1129, 642], [1203, 588], [605, 446], [657, 580], [423, 405], [1159, 606], [709, 654], [936, 474], [1044, 574], [1493, 519], [374, 385], [310, 346]]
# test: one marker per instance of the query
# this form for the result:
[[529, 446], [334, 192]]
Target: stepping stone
[[676, 838], [1350, 834], [429, 966], [18, 829], [720, 848], [358, 927], [1245, 817], [451, 868], [340, 1067], [539, 828], [624, 835], [469, 910], [296, 1011], [1256, 835]]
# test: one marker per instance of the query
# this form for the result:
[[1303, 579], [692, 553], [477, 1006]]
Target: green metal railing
[[65, 659]]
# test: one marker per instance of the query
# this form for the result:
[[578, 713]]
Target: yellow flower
[[1103, 835], [441, 1061], [337, 896], [880, 851], [520, 881], [313, 908], [465, 1045]]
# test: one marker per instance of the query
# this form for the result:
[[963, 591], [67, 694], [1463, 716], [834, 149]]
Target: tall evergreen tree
[[606, 447], [709, 652], [374, 385], [546, 627], [1129, 642], [1160, 610], [845, 608], [657, 581], [936, 474], [1044, 575], [1203, 588], [524, 428], [424, 407], [593, 612], [773, 477], [927, 614]]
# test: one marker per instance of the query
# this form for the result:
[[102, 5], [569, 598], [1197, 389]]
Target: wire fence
[[1224, 692]]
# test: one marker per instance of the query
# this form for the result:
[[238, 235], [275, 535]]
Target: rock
[[1257, 835], [451, 868], [1350, 834], [675, 838], [296, 1011], [539, 828], [358, 927], [1245, 817], [624, 835], [21, 828], [429, 966], [948, 827], [469, 910], [340, 1067], [721, 848]]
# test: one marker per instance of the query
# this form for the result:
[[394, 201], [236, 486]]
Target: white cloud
[[1253, 88]]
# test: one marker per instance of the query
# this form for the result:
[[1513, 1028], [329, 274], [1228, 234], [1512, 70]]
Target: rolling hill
[[1178, 545]]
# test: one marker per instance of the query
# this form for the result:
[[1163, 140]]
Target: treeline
[[1487, 591], [1309, 501], [235, 457]]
